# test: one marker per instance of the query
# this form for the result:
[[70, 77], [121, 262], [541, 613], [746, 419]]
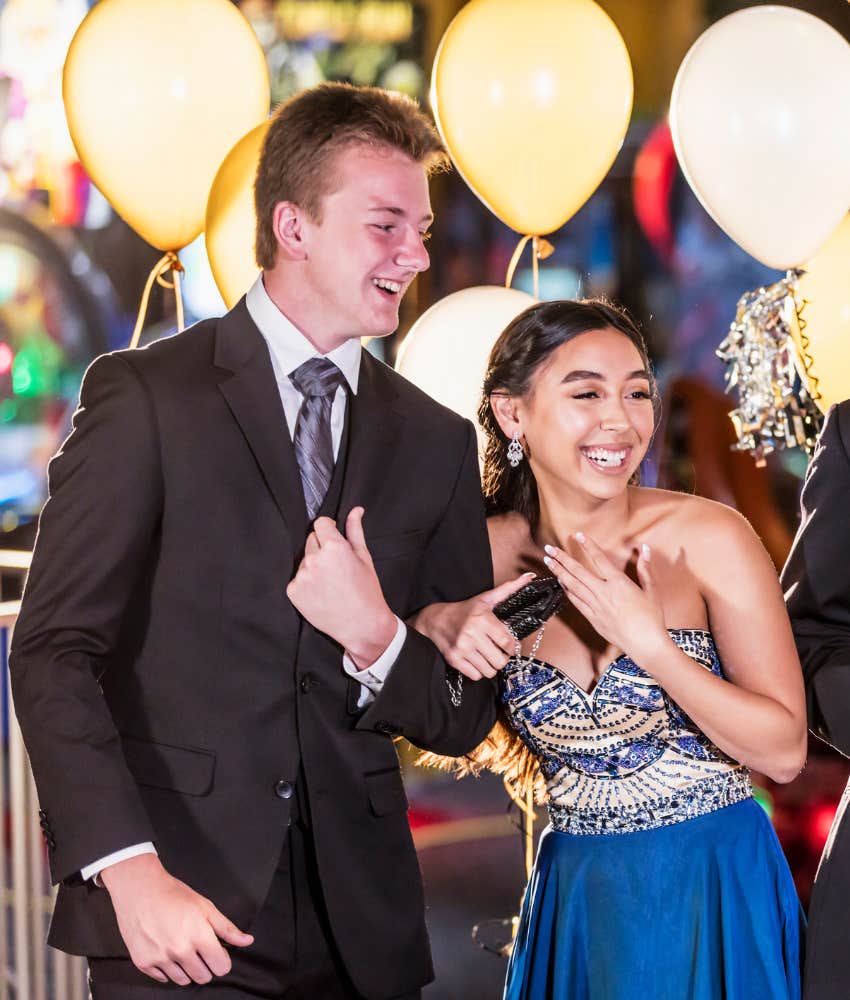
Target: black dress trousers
[[293, 956]]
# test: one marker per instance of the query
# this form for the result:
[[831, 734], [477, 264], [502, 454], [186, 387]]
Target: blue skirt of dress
[[704, 909]]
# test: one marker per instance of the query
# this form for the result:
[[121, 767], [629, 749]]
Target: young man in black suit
[[816, 580], [211, 661]]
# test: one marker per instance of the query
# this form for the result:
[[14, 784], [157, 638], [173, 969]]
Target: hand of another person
[[171, 932], [628, 616], [337, 590], [470, 637]]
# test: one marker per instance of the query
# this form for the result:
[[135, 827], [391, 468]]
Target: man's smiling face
[[368, 245]]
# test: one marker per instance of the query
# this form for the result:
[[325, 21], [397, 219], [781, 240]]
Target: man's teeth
[[602, 456], [388, 286]]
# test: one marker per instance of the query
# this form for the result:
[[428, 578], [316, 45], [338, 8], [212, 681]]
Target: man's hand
[[337, 590], [470, 637], [171, 932]]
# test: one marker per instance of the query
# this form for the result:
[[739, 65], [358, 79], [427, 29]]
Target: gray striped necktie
[[317, 380]]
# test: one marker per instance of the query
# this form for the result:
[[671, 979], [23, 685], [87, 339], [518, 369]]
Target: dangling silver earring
[[515, 452]]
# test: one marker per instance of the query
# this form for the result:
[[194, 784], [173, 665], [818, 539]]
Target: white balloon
[[446, 351], [760, 116]]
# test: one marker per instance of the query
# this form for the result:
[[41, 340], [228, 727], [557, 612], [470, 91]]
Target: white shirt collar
[[288, 346]]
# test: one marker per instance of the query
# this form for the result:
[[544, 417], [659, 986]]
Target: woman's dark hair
[[523, 348]]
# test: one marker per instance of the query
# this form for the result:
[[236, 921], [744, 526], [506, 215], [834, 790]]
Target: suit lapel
[[252, 394], [373, 438]]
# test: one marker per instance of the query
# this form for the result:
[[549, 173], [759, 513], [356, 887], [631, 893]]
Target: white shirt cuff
[[94, 869], [372, 678]]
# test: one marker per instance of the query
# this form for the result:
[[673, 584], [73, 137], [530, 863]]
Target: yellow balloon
[[156, 92], [231, 219], [825, 291], [532, 99]]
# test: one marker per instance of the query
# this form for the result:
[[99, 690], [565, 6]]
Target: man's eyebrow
[[580, 375], [426, 220]]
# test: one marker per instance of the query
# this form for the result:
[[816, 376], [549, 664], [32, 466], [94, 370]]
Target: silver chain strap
[[455, 690], [537, 642]]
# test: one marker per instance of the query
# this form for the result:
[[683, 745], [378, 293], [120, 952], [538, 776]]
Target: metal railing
[[29, 969]]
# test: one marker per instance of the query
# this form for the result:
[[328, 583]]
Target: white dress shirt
[[289, 349]]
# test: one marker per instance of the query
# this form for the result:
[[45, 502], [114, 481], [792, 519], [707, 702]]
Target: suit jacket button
[[308, 682], [382, 726], [283, 789]]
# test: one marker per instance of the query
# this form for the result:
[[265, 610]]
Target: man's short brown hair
[[308, 130]]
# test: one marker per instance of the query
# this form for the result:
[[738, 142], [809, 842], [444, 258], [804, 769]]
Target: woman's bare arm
[[757, 715]]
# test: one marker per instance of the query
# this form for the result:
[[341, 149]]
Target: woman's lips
[[607, 459]]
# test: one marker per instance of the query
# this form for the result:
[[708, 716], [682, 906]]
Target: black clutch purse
[[528, 608]]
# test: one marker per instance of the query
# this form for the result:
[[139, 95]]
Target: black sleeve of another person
[[816, 581]]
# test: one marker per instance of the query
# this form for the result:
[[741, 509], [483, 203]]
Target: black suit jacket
[[816, 580], [163, 681]]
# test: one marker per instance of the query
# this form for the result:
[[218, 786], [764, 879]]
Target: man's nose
[[412, 254]]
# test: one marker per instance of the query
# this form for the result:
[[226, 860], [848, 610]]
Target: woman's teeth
[[602, 456], [388, 286]]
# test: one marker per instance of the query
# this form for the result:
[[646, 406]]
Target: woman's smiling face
[[588, 417]]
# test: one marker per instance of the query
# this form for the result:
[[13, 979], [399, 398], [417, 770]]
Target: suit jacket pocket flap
[[179, 769], [386, 792]]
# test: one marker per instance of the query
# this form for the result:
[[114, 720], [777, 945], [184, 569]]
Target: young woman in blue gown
[[641, 707]]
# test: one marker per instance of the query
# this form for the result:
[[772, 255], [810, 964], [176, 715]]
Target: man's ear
[[506, 411], [288, 226]]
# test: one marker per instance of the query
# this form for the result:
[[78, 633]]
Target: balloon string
[[515, 260], [806, 359], [169, 262], [178, 301], [535, 270], [540, 250]]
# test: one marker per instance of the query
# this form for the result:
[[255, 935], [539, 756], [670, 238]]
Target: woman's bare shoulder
[[704, 529], [510, 543], [510, 526], [685, 509]]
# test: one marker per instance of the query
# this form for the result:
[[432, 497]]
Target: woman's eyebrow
[[579, 375]]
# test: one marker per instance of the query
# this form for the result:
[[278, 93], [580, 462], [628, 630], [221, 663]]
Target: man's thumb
[[497, 594], [354, 529], [226, 930]]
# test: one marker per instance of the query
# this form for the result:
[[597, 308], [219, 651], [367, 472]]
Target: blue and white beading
[[622, 757]]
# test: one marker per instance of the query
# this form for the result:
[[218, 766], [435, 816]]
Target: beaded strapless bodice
[[623, 757]]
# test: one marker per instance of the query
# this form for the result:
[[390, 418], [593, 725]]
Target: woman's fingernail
[[645, 551], [549, 562], [580, 537], [532, 575], [550, 549]]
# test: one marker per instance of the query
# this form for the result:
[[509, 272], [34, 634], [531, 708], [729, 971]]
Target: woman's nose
[[614, 418]]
